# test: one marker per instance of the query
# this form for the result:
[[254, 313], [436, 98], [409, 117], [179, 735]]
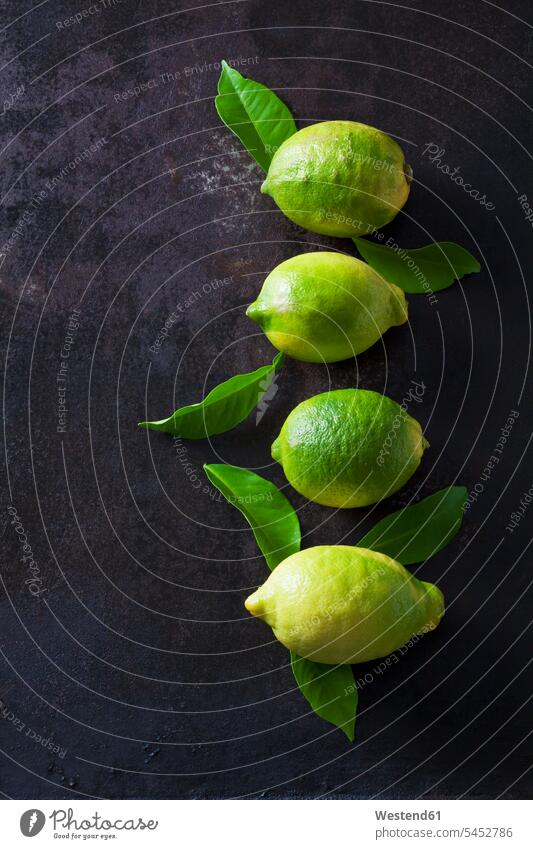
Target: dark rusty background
[[133, 670]]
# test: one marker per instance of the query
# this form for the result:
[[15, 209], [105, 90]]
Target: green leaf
[[256, 115], [226, 406], [270, 515], [420, 271], [418, 532], [330, 690]]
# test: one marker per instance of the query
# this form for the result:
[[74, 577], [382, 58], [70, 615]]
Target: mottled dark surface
[[136, 658]]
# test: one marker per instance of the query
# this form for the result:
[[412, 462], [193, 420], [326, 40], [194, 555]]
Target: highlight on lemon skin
[[326, 306]]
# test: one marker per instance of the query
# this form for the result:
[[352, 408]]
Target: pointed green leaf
[[270, 515], [256, 115], [330, 690], [418, 532], [226, 406], [419, 270]]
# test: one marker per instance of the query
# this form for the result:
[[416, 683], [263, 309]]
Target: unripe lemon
[[339, 178], [326, 306], [341, 604], [349, 447]]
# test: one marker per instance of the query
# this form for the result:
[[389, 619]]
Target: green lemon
[[341, 604], [339, 178], [349, 447], [326, 306]]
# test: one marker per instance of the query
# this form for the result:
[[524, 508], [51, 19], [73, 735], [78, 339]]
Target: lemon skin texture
[[339, 178], [349, 447], [340, 604], [326, 306]]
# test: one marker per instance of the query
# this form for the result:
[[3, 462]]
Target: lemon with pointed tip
[[339, 178], [326, 306], [341, 604], [349, 447]]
